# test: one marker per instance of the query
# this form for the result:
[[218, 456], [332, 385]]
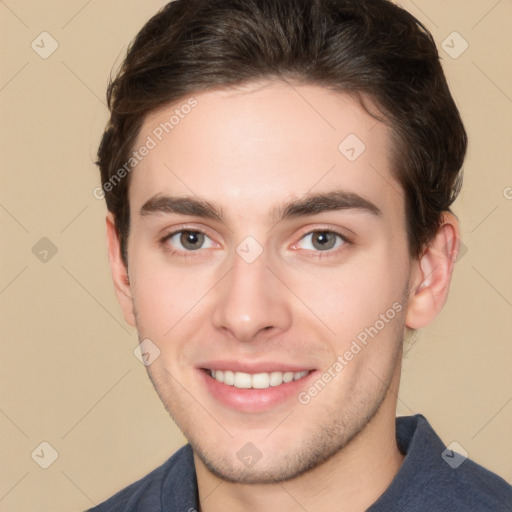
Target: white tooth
[[260, 380], [242, 380], [276, 378], [287, 377], [229, 377]]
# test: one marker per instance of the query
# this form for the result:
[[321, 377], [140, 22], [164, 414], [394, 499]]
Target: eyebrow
[[311, 204]]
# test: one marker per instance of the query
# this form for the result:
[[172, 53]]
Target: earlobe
[[432, 274], [119, 271]]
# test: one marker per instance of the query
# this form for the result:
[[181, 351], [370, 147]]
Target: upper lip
[[254, 367]]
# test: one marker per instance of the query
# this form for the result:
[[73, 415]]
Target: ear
[[119, 271], [432, 273]]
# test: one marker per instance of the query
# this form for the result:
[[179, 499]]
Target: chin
[[274, 464]]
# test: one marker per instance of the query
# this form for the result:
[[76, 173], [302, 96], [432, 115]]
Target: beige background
[[68, 373]]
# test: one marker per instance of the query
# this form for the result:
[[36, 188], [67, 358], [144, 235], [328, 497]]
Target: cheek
[[354, 298], [354, 293], [164, 293]]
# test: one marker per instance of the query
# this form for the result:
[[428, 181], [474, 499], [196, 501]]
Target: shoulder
[[476, 488], [435, 478], [174, 479]]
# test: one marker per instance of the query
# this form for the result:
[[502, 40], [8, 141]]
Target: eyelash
[[316, 254]]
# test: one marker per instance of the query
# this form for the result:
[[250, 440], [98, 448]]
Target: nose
[[251, 301]]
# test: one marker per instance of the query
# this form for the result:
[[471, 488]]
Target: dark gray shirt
[[431, 479]]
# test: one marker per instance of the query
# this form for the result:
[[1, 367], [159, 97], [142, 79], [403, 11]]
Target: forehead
[[249, 148]]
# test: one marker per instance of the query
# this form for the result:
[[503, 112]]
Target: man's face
[[263, 289]]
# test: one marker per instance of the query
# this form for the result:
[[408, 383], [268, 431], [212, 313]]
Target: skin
[[249, 150]]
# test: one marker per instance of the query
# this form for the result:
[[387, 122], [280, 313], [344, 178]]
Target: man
[[279, 175]]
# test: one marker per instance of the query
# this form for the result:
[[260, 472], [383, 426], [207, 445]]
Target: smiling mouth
[[263, 380]]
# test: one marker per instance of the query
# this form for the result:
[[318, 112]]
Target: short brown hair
[[362, 47]]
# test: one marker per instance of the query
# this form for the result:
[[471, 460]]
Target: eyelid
[[168, 232]]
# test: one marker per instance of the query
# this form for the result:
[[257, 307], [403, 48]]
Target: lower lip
[[254, 400]]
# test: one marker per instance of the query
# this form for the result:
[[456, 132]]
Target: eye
[[188, 240], [322, 240]]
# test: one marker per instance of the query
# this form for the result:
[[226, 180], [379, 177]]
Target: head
[[309, 152]]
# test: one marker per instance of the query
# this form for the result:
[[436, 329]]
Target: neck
[[351, 480]]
